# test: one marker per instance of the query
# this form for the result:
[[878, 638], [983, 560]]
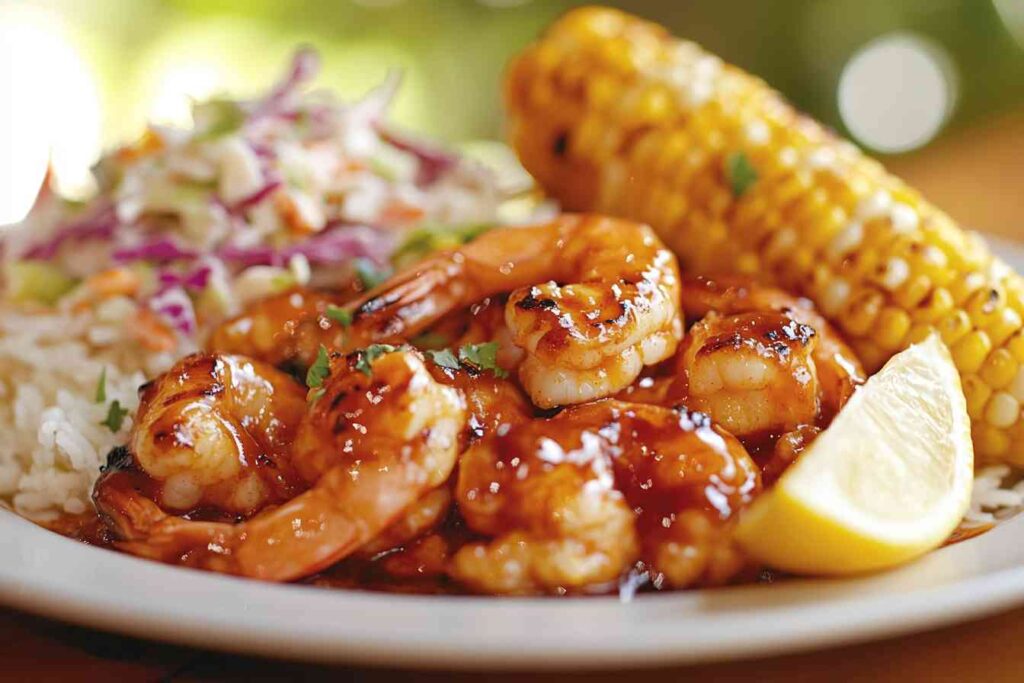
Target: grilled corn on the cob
[[611, 113]]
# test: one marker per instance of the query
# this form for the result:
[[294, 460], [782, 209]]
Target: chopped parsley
[[339, 315], [115, 417], [101, 386], [445, 358], [370, 275], [319, 370], [482, 357], [370, 354], [740, 172]]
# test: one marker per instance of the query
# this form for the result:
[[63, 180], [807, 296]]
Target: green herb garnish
[[339, 315], [101, 386], [115, 417], [483, 357], [370, 354], [319, 370], [370, 275], [445, 358], [740, 172]]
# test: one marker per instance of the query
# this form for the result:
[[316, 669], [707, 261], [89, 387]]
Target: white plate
[[43, 573]]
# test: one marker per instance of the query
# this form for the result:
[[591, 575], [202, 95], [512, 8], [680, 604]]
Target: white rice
[[998, 493], [53, 441]]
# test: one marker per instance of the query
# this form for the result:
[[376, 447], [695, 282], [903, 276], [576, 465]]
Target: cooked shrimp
[[285, 330], [576, 500], [420, 518], [214, 432], [370, 448], [481, 323], [752, 373], [592, 300], [838, 369]]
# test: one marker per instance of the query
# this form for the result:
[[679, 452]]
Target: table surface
[[976, 175]]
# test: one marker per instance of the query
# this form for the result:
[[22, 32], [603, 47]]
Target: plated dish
[[294, 344]]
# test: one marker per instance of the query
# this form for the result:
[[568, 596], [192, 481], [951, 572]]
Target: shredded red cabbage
[[255, 198], [99, 224], [175, 306], [195, 279], [162, 250], [305, 65], [434, 162], [333, 246]]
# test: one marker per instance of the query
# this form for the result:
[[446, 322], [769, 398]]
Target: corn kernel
[[1002, 411], [891, 328], [969, 352], [862, 312], [1001, 326], [977, 393], [935, 305], [954, 326], [918, 333], [990, 442], [999, 369]]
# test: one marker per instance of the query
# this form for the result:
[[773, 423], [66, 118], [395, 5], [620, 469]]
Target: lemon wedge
[[888, 480]]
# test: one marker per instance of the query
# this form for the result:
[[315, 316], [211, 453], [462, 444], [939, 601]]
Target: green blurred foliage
[[453, 51]]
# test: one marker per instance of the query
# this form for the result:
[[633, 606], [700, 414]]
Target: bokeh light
[[896, 92], [1012, 14], [51, 112]]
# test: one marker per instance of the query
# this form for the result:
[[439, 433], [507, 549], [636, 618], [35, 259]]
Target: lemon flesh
[[888, 481]]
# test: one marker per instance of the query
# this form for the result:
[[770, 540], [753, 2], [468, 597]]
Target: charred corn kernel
[[999, 369], [969, 351], [977, 393], [639, 124], [938, 303]]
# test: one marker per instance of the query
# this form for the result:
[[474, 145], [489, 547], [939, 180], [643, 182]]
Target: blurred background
[[935, 87]]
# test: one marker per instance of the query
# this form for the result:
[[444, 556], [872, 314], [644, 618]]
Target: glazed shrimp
[[839, 372], [369, 449], [752, 373], [592, 300], [285, 330], [214, 432], [576, 500]]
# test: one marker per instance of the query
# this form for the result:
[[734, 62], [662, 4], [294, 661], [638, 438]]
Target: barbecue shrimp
[[837, 369], [752, 373], [591, 301], [576, 500], [214, 432], [382, 435], [285, 330]]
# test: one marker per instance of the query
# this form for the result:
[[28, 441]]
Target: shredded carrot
[[149, 143], [290, 214], [398, 211], [152, 332], [114, 282]]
